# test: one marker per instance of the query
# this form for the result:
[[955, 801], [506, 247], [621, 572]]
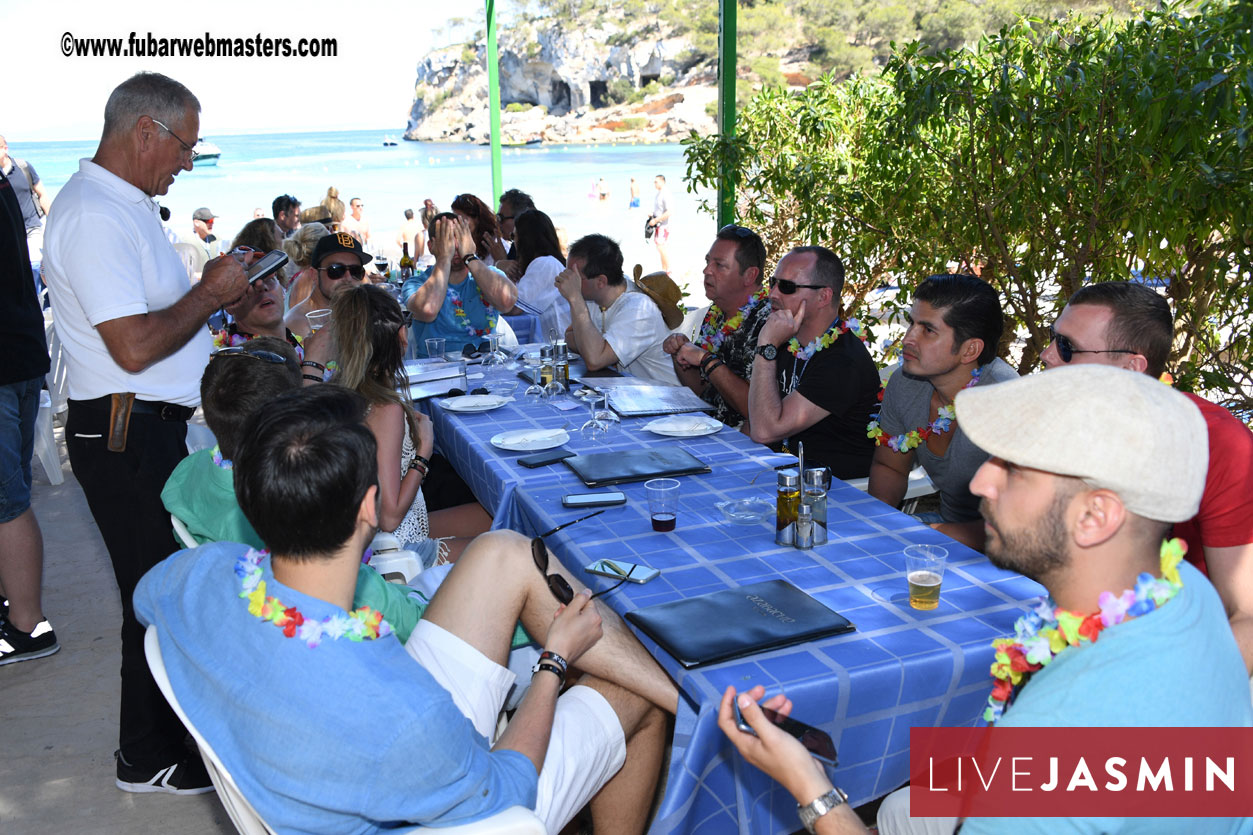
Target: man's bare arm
[[42, 196], [1231, 572], [495, 287], [588, 340], [772, 417], [136, 342], [889, 475]]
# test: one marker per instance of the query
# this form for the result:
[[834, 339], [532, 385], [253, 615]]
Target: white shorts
[[586, 747]]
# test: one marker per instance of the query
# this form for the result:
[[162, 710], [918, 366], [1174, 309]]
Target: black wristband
[[311, 364], [314, 377], [553, 658], [706, 373], [422, 460], [550, 667]]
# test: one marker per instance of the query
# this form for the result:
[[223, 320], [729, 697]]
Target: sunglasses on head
[[242, 351], [788, 287], [737, 231], [1067, 350], [338, 271]]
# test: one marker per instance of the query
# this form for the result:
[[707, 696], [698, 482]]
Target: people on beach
[[659, 221]]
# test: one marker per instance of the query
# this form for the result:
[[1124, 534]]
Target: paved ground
[[58, 715]]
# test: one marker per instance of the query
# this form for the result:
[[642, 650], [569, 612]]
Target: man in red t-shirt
[[1129, 325]]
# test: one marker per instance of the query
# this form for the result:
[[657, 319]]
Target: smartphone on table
[[604, 498], [816, 741], [619, 570]]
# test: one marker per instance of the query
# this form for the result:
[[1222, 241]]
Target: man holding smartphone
[[135, 345]]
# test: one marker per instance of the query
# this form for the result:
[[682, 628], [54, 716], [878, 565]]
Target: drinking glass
[[663, 502], [494, 357], [318, 319], [924, 571], [435, 348], [597, 427], [535, 391]]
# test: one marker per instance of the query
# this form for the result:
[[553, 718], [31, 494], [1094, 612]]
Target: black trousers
[[123, 491]]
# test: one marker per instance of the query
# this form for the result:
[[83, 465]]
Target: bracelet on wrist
[[466, 259], [314, 377], [423, 460], [713, 366], [311, 364], [548, 666], [554, 658]]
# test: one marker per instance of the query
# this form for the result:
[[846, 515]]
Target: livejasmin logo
[[1081, 772]]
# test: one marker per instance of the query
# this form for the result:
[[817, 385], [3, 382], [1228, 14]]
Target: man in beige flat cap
[[1089, 468]]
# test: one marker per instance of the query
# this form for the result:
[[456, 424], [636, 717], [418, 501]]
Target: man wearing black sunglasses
[[305, 473], [813, 380], [718, 363], [1130, 326], [340, 261]]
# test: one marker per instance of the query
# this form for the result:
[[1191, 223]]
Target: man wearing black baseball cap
[[340, 261]]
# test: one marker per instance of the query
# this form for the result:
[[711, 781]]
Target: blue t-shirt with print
[[447, 324]]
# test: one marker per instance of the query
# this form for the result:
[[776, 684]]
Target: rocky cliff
[[596, 84]]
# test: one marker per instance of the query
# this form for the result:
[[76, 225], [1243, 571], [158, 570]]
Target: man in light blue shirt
[[327, 730]]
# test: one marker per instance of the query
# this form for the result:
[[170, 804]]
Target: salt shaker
[[805, 527]]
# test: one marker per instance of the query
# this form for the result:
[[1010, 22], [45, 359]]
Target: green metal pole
[[493, 100], [726, 104]]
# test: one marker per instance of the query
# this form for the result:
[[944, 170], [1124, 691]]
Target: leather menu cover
[[601, 468], [736, 622]]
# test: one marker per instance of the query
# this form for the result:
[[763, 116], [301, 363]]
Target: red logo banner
[[1081, 772]]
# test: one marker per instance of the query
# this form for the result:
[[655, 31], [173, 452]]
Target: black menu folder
[[735, 622], [601, 468]]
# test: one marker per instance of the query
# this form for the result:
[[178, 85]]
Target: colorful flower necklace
[[1043, 633], [463, 318], [838, 328], [943, 422], [712, 334], [224, 463], [229, 337], [361, 624]]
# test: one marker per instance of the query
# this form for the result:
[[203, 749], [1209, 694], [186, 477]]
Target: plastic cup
[[924, 571], [435, 348], [318, 319], [663, 502]]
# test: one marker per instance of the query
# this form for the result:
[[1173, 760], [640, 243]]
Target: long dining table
[[901, 668]]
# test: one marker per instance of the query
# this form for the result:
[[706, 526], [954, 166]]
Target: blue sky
[[369, 84]]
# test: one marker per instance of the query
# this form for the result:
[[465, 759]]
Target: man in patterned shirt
[[718, 365]]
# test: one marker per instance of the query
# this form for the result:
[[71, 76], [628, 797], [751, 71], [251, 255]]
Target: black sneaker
[[16, 645], [187, 776]]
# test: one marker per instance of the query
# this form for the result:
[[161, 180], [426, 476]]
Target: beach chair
[[512, 821]]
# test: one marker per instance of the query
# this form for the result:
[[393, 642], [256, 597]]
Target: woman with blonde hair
[[334, 205], [368, 327]]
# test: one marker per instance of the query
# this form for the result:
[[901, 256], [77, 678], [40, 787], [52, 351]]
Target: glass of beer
[[924, 569]]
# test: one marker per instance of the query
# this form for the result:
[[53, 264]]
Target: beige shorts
[[586, 747]]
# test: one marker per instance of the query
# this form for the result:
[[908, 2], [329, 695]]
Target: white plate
[[530, 440], [684, 426], [474, 402]]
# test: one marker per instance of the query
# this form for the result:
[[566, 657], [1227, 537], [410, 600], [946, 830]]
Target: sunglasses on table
[[557, 584], [787, 287], [1067, 350], [338, 271], [242, 351]]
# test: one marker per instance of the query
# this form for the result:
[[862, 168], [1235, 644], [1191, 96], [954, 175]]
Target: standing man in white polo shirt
[[135, 344]]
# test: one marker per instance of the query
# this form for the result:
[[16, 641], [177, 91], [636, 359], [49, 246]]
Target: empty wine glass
[[535, 391], [596, 427], [494, 356]]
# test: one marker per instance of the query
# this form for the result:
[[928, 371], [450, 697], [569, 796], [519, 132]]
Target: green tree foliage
[[1051, 154]]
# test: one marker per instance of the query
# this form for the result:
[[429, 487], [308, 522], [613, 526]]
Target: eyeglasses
[[337, 271], [557, 584], [406, 317], [737, 231], [189, 149], [503, 218], [788, 287], [1067, 350], [242, 351]]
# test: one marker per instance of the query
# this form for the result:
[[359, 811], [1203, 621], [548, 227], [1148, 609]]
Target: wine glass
[[535, 391], [494, 358], [596, 427]]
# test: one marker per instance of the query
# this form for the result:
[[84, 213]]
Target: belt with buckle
[[165, 411]]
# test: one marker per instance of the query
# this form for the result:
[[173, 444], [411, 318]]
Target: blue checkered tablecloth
[[901, 668]]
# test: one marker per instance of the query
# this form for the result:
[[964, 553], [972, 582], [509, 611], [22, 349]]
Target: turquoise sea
[[256, 168]]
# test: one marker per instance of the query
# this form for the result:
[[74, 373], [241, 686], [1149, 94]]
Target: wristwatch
[[815, 809], [466, 259], [769, 352]]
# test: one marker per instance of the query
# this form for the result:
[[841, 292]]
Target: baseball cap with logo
[[1114, 428], [339, 242], [203, 213]]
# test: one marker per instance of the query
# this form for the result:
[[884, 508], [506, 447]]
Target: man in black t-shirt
[[813, 380], [24, 632]]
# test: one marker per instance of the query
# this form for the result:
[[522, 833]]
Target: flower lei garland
[[358, 625], [229, 337], [463, 319], [838, 328], [1043, 633], [224, 463], [712, 334], [917, 437]]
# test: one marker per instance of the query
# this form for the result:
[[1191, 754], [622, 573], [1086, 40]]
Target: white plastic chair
[[46, 442], [512, 821], [183, 534], [387, 556], [57, 378], [919, 485], [193, 257]]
